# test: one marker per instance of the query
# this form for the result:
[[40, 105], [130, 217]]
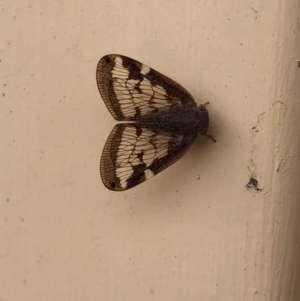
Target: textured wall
[[196, 231]]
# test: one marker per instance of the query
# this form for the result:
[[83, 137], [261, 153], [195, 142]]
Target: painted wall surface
[[196, 231]]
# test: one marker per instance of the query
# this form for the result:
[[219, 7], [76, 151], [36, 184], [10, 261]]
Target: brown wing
[[133, 154], [131, 89]]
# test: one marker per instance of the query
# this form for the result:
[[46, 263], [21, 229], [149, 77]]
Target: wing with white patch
[[133, 154], [131, 89]]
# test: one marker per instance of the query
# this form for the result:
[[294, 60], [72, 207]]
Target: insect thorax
[[183, 120]]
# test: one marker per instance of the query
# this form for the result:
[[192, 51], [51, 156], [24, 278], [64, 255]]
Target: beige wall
[[194, 232]]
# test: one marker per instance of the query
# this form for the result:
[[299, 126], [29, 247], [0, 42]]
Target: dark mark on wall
[[253, 184]]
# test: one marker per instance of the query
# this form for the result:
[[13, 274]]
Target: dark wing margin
[[131, 89], [133, 154]]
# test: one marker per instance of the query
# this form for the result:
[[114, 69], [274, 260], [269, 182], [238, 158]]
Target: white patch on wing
[[141, 150], [145, 69], [119, 71], [148, 173]]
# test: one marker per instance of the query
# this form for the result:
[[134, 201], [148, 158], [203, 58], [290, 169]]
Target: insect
[[161, 121]]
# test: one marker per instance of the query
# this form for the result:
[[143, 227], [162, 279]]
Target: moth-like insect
[[161, 121]]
